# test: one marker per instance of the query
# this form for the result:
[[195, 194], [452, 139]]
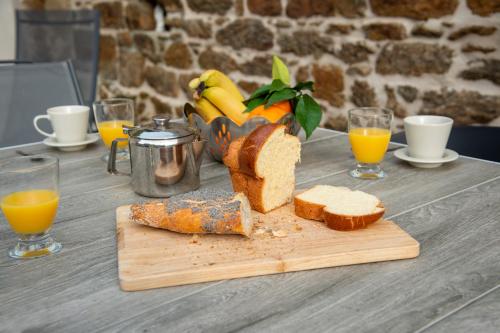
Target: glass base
[[33, 246], [367, 171], [121, 155]]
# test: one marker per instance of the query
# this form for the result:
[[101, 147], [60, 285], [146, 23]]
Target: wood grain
[[455, 220], [481, 315], [151, 258]]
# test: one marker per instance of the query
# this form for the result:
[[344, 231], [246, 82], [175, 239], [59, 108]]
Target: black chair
[[29, 89], [59, 35], [475, 141]]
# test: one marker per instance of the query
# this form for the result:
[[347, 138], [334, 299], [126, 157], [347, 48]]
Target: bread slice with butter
[[339, 207]]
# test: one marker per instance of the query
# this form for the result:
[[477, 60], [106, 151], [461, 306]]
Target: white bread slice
[[339, 207], [262, 165]]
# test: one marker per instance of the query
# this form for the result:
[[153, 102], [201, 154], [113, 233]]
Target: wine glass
[[369, 134], [29, 197], [111, 115]]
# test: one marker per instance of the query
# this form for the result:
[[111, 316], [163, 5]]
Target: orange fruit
[[273, 113]]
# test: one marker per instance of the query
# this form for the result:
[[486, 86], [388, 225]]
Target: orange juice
[[30, 212], [111, 130], [369, 144]]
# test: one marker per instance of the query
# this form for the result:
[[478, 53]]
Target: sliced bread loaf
[[262, 165], [339, 207]]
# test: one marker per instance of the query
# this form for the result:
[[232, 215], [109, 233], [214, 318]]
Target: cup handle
[[35, 121], [112, 158]]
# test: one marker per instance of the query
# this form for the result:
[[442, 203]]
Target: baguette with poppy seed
[[202, 211]]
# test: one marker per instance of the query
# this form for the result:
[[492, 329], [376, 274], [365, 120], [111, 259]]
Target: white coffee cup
[[70, 123], [427, 136]]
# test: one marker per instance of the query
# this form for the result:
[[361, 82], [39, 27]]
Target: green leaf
[[253, 103], [264, 90], [308, 85], [280, 71], [308, 114], [278, 96], [277, 85]]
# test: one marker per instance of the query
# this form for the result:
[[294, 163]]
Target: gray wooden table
[[454, 285]]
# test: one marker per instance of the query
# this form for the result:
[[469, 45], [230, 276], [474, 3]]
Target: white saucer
[[449, 155], [73, 146]]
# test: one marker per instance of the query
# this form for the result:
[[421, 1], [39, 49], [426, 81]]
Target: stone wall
[[413, 56]]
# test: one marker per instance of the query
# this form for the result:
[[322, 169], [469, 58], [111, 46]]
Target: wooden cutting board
[[282, 242]]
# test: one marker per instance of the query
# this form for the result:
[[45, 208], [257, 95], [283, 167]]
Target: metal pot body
[[165, 159], [165, 171]]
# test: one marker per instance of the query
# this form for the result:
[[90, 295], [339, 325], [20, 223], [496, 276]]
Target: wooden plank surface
[[399, 296], [480, 315], [77, 290], [152, 258]]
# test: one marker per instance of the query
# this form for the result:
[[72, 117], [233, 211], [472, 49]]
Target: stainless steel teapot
[[165, 158]]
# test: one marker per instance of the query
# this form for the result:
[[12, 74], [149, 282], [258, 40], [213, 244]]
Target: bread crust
[[251, 187], [308, 210], [347, 223], [253, 143], [314, 211], [230, 158], [187, 220], [241, 159]]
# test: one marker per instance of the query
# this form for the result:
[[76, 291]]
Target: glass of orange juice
[[111, 115], [369, 134], [29, 197]]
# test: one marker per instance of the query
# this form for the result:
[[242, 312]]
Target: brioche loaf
[[202, 211], [262, 165], [339, 207]]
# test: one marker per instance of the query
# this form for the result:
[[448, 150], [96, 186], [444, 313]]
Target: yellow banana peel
[[207, 110], [194, 83], [227, 103], [215, 78]]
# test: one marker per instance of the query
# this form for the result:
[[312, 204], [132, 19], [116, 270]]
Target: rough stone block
[[419, 10], [161, 80], [265, 7], [131, 69], [305, 42], [414, 59], [210, 6], [465, 107], [246, 33], [384, 31]]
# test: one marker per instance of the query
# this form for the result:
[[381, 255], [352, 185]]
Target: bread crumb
[[260, 231], [280, 233], [195, 239], [298, 227]]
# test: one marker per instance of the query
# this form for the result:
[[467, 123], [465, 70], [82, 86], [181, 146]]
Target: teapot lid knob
[[161, 121]]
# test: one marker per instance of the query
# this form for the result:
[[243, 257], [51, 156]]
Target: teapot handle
[[112, 158]]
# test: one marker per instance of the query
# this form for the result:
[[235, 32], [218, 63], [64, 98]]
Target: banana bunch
[[216, 95]]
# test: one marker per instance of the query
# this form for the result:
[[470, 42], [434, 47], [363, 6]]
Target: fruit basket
[[222, 130]]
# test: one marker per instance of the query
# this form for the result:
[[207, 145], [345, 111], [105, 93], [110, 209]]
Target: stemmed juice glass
[[369, 134], [111, 115], [29, 197]]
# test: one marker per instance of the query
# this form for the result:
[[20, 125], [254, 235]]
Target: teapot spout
[[198, 150]]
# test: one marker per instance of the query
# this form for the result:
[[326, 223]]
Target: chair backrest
[[59, 35], [29, 89]]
